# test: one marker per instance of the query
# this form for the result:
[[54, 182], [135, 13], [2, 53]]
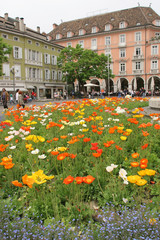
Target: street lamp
[[66, 73], [12, 70], [108, 78]]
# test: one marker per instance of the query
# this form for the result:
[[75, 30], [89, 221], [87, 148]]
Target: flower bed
[[67, 160]]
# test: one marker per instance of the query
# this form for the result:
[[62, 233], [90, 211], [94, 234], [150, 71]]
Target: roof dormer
[[58, 36], [122, 24], [108, 27], [82, 31], [94, 29], [69, 34]]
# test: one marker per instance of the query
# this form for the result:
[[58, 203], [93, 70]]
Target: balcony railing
[[138, 57], [122, 72], [138, 71], [154, 71]]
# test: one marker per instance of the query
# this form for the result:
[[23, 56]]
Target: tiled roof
[[133, 16]]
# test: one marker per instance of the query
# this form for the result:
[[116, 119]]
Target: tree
[[4, 49], [81, 64]]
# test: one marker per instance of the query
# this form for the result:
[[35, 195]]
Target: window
[[94, 30], [122, 52], [122, 38], [154, 64], [138, 51], [6, 69], [122, 67], [94, 44], [33, 72], [17, 52], [53, 74], [108, 40], [157, 22], [107, 27], [69, 44], [37, 44], [59, 75], [81, 32], [15, 38], [81, 42], [138, 65], [68, 34], [30, 72], [29, 42], [138, 36], [5, 36], [57, 36], [33, 55], [38, 74], [53, 49], [17, 69], [122, 25], [47, 58], [157, 34], [154, 50], [54, 60], [46, 47], [59, 50], [47, 73]]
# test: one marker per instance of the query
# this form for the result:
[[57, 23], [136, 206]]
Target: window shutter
[[14, 51], [26, 54], [6, 70], [20, 52], [48, 58], [26, 71], [55, 61]]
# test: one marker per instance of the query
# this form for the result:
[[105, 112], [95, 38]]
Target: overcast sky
[[44, 13]]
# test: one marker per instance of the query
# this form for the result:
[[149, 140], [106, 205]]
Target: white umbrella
[[135, 84], [90, 85]]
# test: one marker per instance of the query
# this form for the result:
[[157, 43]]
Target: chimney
[[38, 29], [21, 24], [54, 25], [6, 16]]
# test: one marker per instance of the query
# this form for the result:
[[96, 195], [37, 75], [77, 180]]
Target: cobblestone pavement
[[147, 110]]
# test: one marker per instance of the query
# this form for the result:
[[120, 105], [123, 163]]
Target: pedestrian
[[4, 98], [11, 99], [143, 92], [20, 100], [65, 94], [17, 95]]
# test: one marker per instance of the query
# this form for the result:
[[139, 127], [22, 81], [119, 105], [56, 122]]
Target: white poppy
[[36, 151], [109, 169], [12, 147], [43, 156]]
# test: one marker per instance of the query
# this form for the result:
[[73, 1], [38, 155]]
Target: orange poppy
[[143, 161], [157, 126], [17, 184], [143, 166], [145, 133], [118, 148], [54, 153], [81, 136], [28, 180], [99, 132], [55, 139], [63, 137], [68, 180], [94, 130], [61, 156], [96, 154], [9, 165], [89, 179], [134, 164], [79, 180], [86, 140], [144, 146], [107, 144], [72, 155], [135, 155]]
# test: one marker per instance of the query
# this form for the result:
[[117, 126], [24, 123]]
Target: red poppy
[[135, 155], [144, 146], [61, 156], [118, 147], [86, 140], [68, 180], [143, 166], [143, 161], [89, 179], [79, 180]]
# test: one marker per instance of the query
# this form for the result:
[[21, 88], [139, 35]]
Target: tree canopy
[[4, 50], [81, 64]]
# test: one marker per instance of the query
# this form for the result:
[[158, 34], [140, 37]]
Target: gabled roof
[[133, 16]]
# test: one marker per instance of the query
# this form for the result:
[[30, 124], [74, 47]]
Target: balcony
[[122, 73], [138, 71], [138, 57], [154, 71], [122, 44]]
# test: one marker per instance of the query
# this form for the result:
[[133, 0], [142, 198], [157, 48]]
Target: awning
[[54, 85], [30, 87], [10, 89]]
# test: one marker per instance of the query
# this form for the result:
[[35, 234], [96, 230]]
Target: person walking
[[20, 99], [11, 99], [4, 98], [17, 95]]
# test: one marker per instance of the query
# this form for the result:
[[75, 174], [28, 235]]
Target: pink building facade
[[132, 39]]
